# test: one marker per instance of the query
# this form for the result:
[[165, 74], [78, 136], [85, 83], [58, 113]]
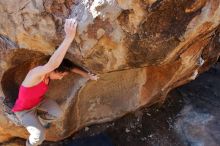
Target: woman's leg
[[51, 110], [30, 121]]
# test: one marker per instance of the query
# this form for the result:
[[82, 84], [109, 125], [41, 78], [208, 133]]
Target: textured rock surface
[[198, 122], [189, 116], [141, 48]]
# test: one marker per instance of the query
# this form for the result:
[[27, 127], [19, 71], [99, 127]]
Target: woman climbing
[[35, 85]]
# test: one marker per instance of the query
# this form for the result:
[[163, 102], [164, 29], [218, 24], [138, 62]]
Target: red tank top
[[29, 97]]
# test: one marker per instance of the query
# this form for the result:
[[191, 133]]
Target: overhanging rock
[[141, 48]]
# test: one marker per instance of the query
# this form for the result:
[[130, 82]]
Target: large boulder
[[141, 48]]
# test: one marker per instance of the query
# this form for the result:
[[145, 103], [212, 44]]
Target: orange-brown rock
[[141, 48]]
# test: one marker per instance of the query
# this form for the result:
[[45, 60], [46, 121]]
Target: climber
[[31, 92]]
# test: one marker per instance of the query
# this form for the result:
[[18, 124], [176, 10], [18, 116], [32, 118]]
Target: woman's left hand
[[70, 28], [93, 77]]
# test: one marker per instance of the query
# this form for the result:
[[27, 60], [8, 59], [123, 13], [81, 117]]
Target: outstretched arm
[[85, 74], [57, 57]]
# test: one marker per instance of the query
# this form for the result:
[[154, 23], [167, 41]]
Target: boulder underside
[[140, 48]]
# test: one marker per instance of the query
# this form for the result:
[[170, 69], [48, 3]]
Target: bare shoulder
[[34, 73], [33, 77]]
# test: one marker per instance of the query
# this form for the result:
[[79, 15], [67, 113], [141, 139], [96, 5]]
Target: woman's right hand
[[70, 28]]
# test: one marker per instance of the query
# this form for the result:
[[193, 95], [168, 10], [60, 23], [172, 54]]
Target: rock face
[[141, 48]]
